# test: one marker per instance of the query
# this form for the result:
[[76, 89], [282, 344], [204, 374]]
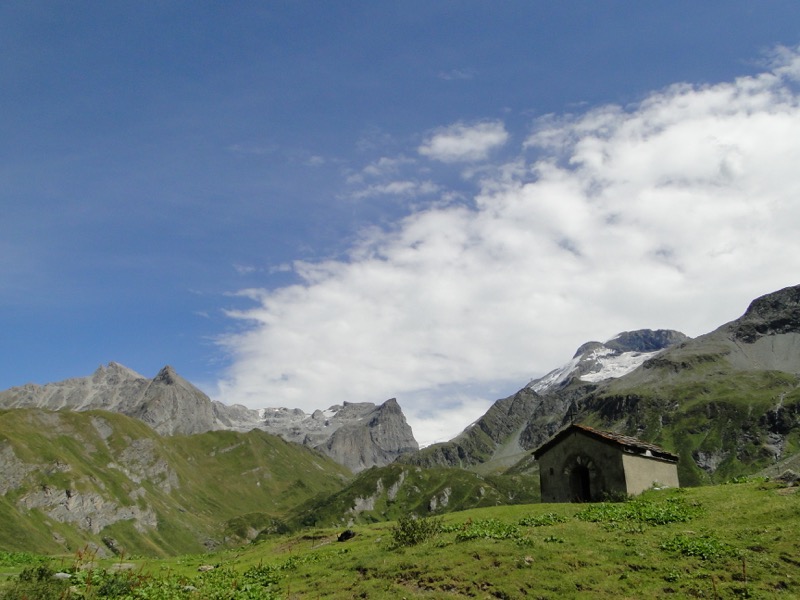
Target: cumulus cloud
[[671, 213], [464, 143]]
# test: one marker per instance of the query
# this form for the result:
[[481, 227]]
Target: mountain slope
[[519, 423], [387, 493], [728, 402], [103, 479]]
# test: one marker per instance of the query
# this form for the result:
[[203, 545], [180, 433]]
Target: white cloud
[[672, 213], [244, 269], [457, 74], [397, 188], [464, 143]]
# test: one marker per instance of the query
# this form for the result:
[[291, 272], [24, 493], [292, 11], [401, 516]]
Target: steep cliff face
[[172, 405], [494, 436], [113, 387], [377, 438], [770, 315], [168, 403]]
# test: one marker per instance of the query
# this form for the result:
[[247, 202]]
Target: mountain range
[[357, 435], [154, 466]]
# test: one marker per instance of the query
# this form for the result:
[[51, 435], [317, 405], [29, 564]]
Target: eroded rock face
[[168, 403], [86, 501], [89, 511], [376, 438], [13, 470]]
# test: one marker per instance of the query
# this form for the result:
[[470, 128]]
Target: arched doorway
[[579, 484]]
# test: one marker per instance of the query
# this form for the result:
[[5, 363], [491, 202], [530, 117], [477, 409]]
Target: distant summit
[[596, 361]]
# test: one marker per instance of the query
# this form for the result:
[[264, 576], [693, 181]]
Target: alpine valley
[[124, 463]]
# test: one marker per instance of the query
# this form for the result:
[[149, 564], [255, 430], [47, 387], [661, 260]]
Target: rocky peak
[[365, 434], [771, 314], [597, 361], [167, 376], [645, 340], [114, 373], [376, 438]]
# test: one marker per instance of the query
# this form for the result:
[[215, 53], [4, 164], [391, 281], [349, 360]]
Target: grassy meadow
[[738, 540]]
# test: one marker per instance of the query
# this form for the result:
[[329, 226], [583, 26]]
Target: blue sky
[[302, 203]]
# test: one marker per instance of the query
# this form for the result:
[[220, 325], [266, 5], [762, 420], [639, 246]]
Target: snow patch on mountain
[[554, 378], [596, 361], [617, 366]]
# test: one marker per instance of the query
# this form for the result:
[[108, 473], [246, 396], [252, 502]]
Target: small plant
[[704, 547], [491, 529], [552, 539], [746, 479], [542, 520], [412, 530], [641, 511]]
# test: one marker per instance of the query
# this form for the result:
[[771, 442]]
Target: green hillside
[[109, 481], [722, 422], [728, 541], [387, 493]]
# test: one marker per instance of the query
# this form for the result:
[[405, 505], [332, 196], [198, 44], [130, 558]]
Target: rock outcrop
[[377, 438]]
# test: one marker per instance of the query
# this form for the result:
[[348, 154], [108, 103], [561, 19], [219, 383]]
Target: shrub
[[14, 559], [37, 582], [411, 530]]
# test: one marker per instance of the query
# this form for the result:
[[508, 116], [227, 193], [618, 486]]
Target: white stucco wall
[[642, 472]]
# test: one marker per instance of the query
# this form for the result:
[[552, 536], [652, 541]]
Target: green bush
[[16, 559], [411, 530], [39, 583]]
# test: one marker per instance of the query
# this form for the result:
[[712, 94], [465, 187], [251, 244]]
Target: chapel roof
[[624, 442]]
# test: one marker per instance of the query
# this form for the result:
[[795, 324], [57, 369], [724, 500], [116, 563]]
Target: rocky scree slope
[[358, 435], [100, 479], [515, 425]]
